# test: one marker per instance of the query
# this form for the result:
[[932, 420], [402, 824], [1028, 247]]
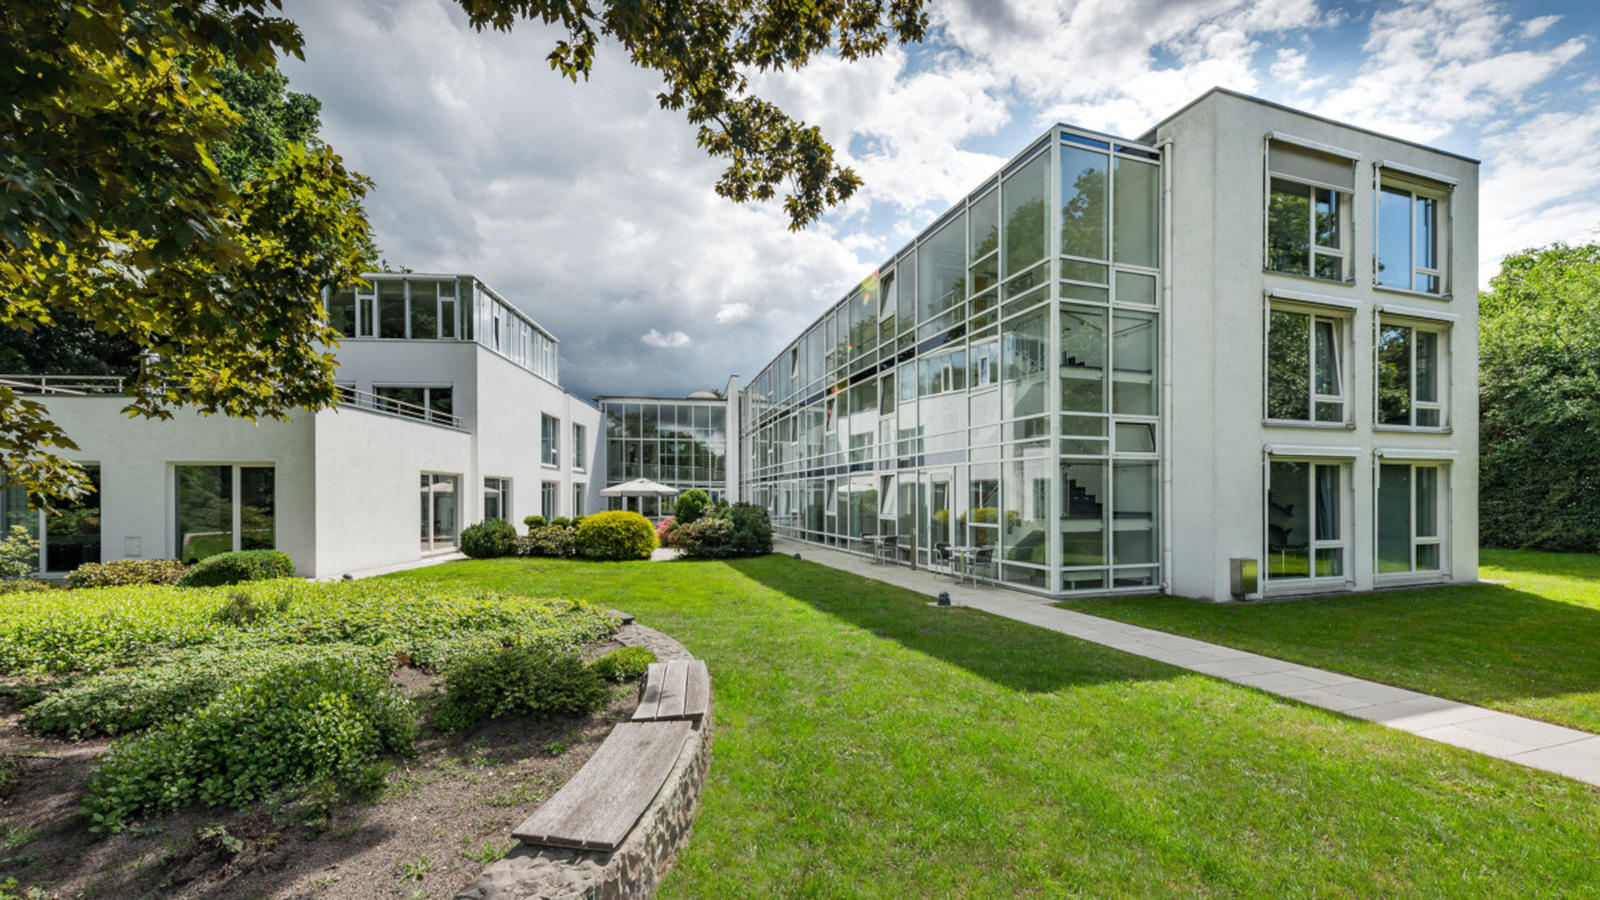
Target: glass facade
[[442, 308], [996, 384], [223, 507], [682, 443], [69, 536]]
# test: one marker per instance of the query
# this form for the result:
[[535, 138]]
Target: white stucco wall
[[1217, 304]]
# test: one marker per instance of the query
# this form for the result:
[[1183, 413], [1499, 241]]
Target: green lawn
[[1530, 646], [871, 745]]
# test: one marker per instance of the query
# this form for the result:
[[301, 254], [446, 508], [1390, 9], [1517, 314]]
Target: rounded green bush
[[624, 664], [690, 506], [488, 539], [518, 680], [238, 566], [548, 540], [616, 535]]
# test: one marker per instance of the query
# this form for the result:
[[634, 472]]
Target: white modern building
[[452, 413], [1242, 343], [1247, 337]]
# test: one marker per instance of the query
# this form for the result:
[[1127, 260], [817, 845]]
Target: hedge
[[238, 566], [616, 535]]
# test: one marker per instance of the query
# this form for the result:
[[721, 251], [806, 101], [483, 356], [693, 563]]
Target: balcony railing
[[88, 385], [71, 385]]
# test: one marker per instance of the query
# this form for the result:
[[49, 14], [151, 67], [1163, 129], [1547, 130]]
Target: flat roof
[[515, 310], [1149, 136]]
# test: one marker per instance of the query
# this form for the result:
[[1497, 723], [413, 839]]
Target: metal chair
[[887, 547], [942, 557], [982, 561]]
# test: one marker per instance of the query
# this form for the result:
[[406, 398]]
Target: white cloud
[[669, 341], [730, 313], [1537, 26]]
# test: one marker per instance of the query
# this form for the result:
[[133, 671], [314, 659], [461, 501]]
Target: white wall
[[1217, 333]]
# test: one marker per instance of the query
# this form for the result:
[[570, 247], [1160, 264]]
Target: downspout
[[1165, 147]]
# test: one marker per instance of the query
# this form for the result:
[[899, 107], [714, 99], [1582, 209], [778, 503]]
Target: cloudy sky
[[593, 208]]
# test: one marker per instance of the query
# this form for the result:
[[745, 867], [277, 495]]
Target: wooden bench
[[597, 808], [676, 690]]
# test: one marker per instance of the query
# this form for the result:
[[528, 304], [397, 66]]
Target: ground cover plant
[[127, 571], [251, 703], [1525, 646], [868, 743]]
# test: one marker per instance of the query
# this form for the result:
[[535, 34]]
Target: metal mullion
[[237, 519]]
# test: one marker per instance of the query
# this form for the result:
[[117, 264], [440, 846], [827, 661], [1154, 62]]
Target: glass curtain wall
[[995, 384], [679, 443]]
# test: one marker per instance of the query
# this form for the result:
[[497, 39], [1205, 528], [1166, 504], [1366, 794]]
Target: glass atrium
[[679, 442], [993, 385]]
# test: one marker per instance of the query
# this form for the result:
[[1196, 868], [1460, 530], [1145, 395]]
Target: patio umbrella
[[640, 487]]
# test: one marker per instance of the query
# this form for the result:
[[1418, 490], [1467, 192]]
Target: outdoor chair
[[887, 548], [982, 561], [943, 558]]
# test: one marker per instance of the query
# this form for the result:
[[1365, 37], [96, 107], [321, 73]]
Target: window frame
[[1342, 318], [1387, 176], [549, 441], [1344, 200], [580, 438], [41, 519], [1441, 330], [236, 493], [1442, 511], [1344, 543], [549, 499], [503, 485]]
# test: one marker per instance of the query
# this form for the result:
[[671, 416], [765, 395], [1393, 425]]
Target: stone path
[[1529, 742]]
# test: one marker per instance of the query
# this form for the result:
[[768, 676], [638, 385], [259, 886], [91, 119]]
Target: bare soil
[[442, 815]]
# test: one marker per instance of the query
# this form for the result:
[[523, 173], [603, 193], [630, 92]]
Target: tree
[[706, 52], [1539, 378], [137, 203]]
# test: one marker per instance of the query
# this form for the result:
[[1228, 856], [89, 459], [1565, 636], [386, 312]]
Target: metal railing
[[71, 385], [89, 385], [388, 406]]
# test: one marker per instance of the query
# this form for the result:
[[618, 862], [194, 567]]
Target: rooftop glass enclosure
[[416, 307], [681, 443], [994, 384]]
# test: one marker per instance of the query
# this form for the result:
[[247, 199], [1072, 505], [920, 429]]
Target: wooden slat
[[597, 808], [674, 683], [651, 699], [627, 618], [697, 695]]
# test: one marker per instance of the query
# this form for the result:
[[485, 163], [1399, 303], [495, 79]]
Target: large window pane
[[342, 311], [14, 511], [1289, 227], [205, 511], [1289, 520], [1394, 375], [1083, 359], [1394, 238], [1025, 348], [1137, 214], [72, 532], [424, 310], [1427, 479], [257, 508], [942, 270], [1083, 202], [1394, 518], [1027, 511], [1133, 515], [1133, 355], [985, 225], [391, 309], [1024, 209], [1083, 513], [1288, 366]]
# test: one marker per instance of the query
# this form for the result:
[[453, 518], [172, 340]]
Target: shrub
[[752, 530], [691, 505], [323, 720], [561, 522], [616, 535], [127, 571], [664, 529], [242, 609], [488, 539], [238, 566], [24, 585], [548, 540], [707, 538], [534, 522], [623, 665], [519, 680], [19, 553]]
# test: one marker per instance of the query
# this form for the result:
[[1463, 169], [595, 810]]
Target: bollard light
[[944, 598]]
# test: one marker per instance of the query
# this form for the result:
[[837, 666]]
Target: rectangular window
[[548, 493], [1305, 535], [578, 505], [1411, 512], [1305, 374], [1084, 219], [1305, 230], [426, 403], [1410, 242], [68, 537], [211, 522], [440, 511], [580, 445], [1410, 366], [342, 311], [423, 303], [391, 309], [497, 499], [549, 440]]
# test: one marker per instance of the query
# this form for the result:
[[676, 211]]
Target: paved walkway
[[1538, 745]]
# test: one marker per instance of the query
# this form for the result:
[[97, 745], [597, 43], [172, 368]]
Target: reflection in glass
[[257, 508], [1394, 238], [1133, 354], [942, 270], [985, 225], [342, 311], [424, 310], [1083, 203], [205, 511], [1394, 375], [1289, 227], [1083, 358], [1288, 520], [1394, 518], [1083, 513], [1023, 198], [391, 309], [1026, 350], [1133, 514], [1288, 365], [1136, 217]]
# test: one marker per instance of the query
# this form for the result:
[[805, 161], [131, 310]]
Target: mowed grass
[[1530, 646], [868, 744]]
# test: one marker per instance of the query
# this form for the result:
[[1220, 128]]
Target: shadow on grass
[[1012, 654], [1476, 643]]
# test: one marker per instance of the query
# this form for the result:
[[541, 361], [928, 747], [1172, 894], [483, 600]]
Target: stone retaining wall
[[635, 868]]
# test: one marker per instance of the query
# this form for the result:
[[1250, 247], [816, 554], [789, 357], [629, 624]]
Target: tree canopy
[[1539, 378], [137, 203], [706, 52]]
